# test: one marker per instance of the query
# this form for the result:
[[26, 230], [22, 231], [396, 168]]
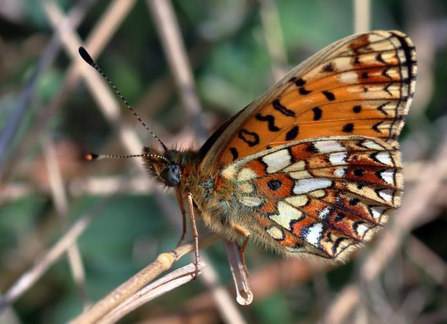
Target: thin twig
[[362, 16], [162, 263], [60, 199], [96, 41], [29, 278], [98, 87], [274, 38], [169, 32], [169, 282], [46, 59]]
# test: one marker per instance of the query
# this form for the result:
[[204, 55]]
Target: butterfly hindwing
[[320, 196]]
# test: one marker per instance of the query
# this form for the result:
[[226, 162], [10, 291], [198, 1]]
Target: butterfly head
[[162, 166]]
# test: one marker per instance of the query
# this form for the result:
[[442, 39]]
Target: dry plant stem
[[362, 16], [409, 215], [29, 278], [163, 262], [23, 103], [160, 287], [169, 32], [97, 40], [274, 38], [427, 260], [60, 199], [99, 88]]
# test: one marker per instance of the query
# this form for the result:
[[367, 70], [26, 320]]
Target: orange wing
[[360, 85]]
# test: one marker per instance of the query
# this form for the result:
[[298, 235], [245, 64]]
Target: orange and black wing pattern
[[360, 85], [315, 160]]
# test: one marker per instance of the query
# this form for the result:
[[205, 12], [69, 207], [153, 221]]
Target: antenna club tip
[[85, 55], [91, 156]]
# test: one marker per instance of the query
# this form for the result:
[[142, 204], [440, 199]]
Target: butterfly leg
[[183, 211], [246, 234], [194, 231]]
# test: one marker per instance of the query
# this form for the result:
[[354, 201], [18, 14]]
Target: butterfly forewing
[[361, 85], [321, 196]]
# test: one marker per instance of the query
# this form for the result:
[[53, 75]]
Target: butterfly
[[312, 166]]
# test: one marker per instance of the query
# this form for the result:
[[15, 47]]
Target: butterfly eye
[[171, 175]]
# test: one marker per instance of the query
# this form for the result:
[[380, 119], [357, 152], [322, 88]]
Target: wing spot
[[365, 75], [300, 82], [317, 113], [234, 153], [303, 91], [270, 121], [330, 67], [251, 138], [274, 184], [329, 95], [357, 109], [292, 133], [354, 201], [348, 128], [359, 172], [311, 148], [339, 217], [283, 110]]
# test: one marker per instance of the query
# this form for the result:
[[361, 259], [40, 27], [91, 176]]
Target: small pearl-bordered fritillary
[[313, 165]]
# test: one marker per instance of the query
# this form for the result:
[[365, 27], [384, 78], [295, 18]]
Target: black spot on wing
[[300, 82], [348, 128], [234, 153], [329, 95], [274, 184], [292, 133], [251, 138], [311, 148], [359, 172], [354, 201], [317, 113], [283, 110], [303, 91], [330, 67], [270, 121], [357, 109]]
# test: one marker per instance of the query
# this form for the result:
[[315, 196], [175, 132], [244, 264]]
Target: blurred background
[[54, 108]]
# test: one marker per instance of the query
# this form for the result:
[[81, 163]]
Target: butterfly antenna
[[94, 156], [88, 59]]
